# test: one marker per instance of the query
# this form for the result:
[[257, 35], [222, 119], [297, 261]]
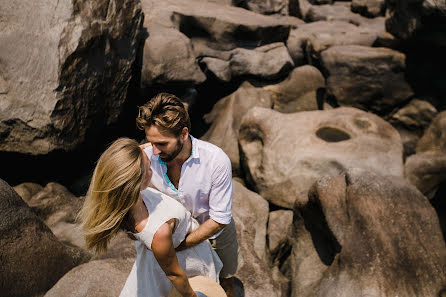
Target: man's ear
[[185, 133]]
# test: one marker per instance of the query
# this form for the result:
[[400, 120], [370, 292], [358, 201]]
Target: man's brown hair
[[166, 111]]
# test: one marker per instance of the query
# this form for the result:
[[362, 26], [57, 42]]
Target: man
[[196, 173]]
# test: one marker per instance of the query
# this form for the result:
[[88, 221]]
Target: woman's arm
[[164, 252]]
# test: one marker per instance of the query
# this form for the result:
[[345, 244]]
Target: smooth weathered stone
[[58, 208], [222, 27], [226, 117], [307, 41], [32, 259], [369, 8], [279, 223], [427, 168], [365, 234], [411, 121], [99, 278], [250, 212], [27, 190], [168, 58], [367, 78], [266, 7], [299, 91], [282, 155], [66, 67], [338, 11], [265, 62]]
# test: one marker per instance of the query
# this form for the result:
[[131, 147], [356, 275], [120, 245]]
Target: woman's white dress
[[147, 279]]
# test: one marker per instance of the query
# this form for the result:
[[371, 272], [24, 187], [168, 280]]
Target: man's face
[[166, 145]]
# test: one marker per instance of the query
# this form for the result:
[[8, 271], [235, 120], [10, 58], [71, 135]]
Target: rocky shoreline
[[331, 112]]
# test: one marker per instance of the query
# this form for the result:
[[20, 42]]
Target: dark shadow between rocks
[[439, 204], [324, 241]]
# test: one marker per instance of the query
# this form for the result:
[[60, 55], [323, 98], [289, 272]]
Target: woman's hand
[[164, 252]]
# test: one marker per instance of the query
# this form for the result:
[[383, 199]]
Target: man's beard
[[174, 154]]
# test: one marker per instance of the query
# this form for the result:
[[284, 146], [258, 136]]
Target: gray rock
[[27, 190], [266, 7], [32, 258], [369, 8], [58, 208], [338, 11], [427, 168], [279, 224], [168, 58], [222, 27], [367, 78], [411, 121], [354, 239], [265, 62], [250, 212], [299, 91], [65, 68], [226, 117], [99, 278], [307, 41], [282, 155]]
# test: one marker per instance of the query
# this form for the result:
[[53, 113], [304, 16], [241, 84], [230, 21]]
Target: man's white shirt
[[205, 186]]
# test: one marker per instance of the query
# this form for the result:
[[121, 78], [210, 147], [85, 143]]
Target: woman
[[119, 198]]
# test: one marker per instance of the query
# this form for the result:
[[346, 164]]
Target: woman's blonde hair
[[114, 188]]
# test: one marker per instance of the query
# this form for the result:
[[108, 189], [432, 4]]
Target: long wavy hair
[[114, 188]]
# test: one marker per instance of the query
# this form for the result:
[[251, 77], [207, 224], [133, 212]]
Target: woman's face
[[147, 171]]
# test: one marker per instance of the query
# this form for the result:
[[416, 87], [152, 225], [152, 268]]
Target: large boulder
[[250, 212], [365, 77], [32, 258], [411, 121], [279, 225], [307, 41], [365, 234], [427, 168], [300, 91], [369, 8], [265, 62], [65, 72], [27, 190], [226, 117], [266, 7], [168, 57], [58, 208], [99, 278], [284, 154]]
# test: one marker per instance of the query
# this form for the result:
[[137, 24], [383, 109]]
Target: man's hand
[[206, 230]]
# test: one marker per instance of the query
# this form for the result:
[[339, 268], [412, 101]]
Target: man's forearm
[[206, 230]]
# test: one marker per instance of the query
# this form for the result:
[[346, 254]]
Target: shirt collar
[[194, 153]]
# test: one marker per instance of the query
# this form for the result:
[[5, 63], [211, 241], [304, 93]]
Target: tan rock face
[[365, 234], [64, 65], [226, 117], [100, 278], [250, 212], [299, 91], [284, 154], [427, 168], [365, 77], [32, 257]]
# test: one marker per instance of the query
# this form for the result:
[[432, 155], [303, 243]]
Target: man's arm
[[203, 232]]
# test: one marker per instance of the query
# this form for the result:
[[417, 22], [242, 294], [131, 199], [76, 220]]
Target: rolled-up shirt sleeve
[[220, 196]]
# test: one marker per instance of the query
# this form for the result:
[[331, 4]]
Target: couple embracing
[[173, 196]]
